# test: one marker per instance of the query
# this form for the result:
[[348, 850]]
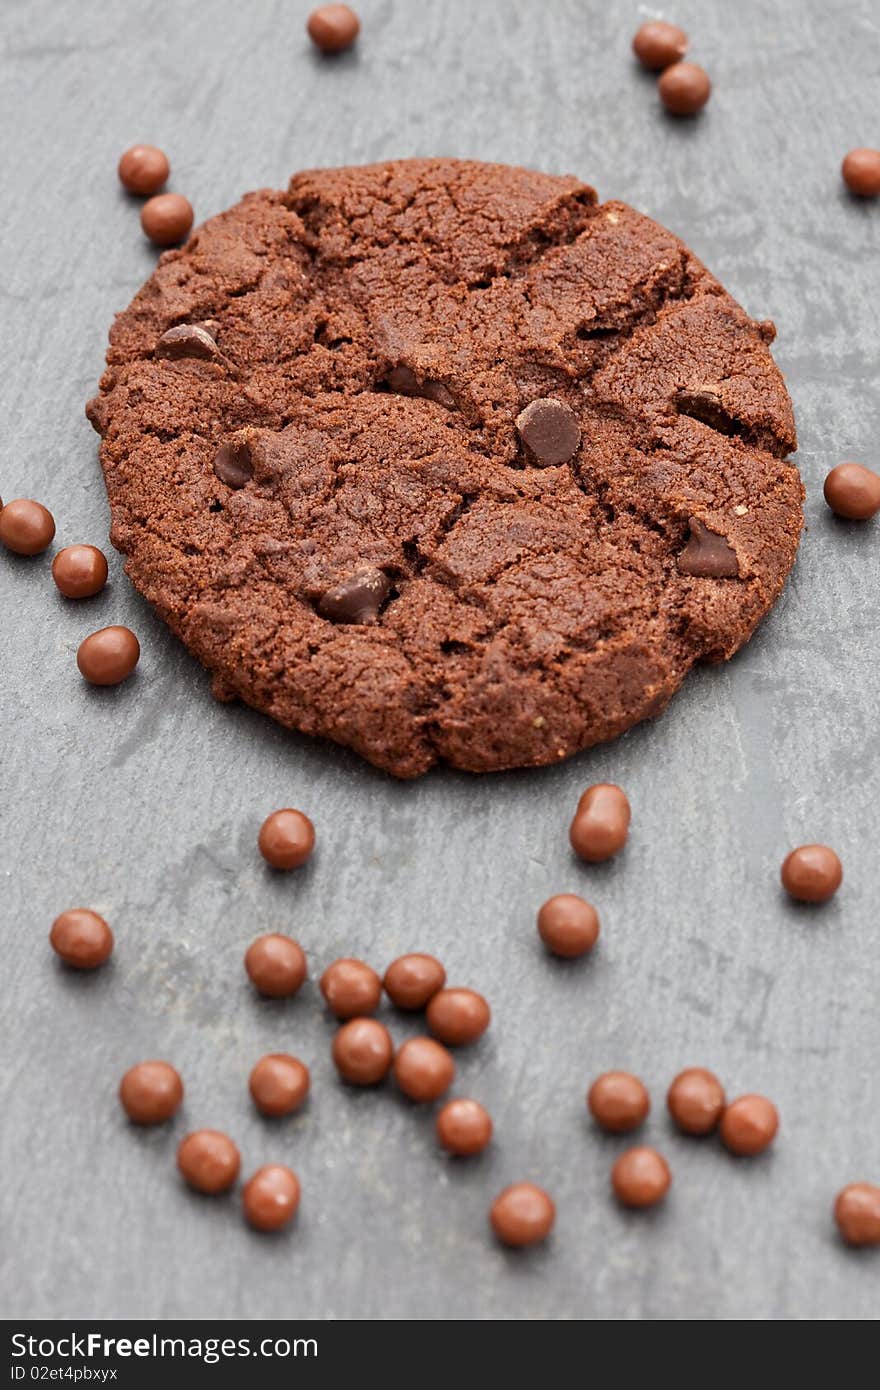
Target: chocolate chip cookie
[[447, 461]]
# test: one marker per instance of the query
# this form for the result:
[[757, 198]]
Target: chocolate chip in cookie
[[187, 340], [707, 555], [358, 599], [233, 463], [550, 431], [705, 405], [404, 380]]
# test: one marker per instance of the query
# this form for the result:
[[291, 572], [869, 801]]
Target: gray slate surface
[[144, 802]]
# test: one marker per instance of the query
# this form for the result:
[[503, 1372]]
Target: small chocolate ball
[[601, 823], [279, 1084], [640, 1177], [151, 1092], [351, 988], [684, 89], [286, 839], [362, 1051], [108, 656], [333, 28], [270, 1198], [79, 571], [423, 1069], [276, 964], [618, 1101], [458, 1016], [749, 1125], [81, 938], [812, 873], [861, 172], [143, 169], [658, 44], [857, 1213], [464, 1127], [26, 527], [167, 218], [412, 981], [522, 1214], [853, 491], [696, 1100], [209, 1160], [568, 925]]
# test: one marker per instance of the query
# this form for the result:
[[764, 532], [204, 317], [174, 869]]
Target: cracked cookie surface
[[334, 508]]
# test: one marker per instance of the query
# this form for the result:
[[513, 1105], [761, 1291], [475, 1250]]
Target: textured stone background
[[144, 801]]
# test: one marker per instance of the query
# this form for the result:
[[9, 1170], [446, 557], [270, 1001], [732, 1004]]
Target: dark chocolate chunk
[[187, 340], [707, 555], [357, 599], [232, 463], [549, 430], [404, 381]]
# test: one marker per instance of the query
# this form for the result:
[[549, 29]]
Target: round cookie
[[447, 461]]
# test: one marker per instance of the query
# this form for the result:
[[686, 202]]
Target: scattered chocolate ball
[[286, 839], [279, 1084], [522, 1214], [857, 1213], [568, 926], [464, 1127], [143, 169], [208, 1160], [333, 28], [696, 1100], [26, 527], [151, 1092], [270, 1198], [684, 89], [861, 172], [108, 656], [351, 988], [853, 491], [412, 981], [658, 44], [423, 1069], [601, 823], [167, 218], [81, 938], [640, 1177], [79, 571], [618, 1101], [749, 1125], [457, 1016], [362, 1051], [276, 964], [812, 873]]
